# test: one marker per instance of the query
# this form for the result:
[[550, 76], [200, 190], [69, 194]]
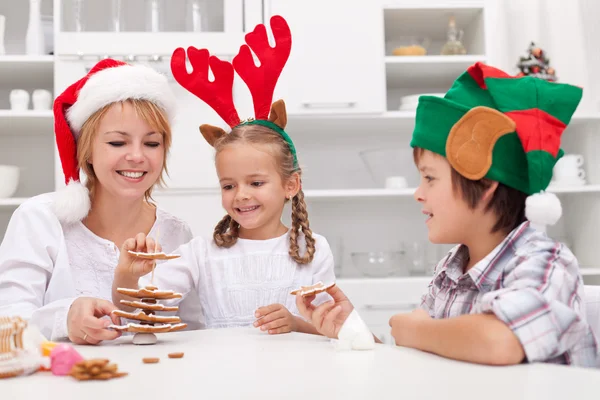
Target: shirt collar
[[486, 272]]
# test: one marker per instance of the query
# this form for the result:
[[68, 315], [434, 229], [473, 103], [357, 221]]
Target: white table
[[248, 364]]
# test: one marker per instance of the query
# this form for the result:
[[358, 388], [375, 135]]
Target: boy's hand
[[135, 267], [403, 326], [328, 317], [275, 319]]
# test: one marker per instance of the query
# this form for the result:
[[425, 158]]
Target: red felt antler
[[217, 94], [261, 80]]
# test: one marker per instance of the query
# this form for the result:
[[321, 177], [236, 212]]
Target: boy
[[507, 293]]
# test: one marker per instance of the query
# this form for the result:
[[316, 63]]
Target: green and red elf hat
[[503, 128]]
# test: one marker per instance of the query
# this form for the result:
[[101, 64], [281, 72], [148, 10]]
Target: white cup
[[395, 182], [41, 99], [568, 168], [9, 180], [19, 100]]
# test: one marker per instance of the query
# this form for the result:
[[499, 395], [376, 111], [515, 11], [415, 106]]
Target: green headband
[[276, 128]]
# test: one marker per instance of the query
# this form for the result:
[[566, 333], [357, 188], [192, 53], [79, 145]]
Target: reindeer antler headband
[[261, 80]]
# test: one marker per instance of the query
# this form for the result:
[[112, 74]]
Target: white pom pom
[[72, 203], [543, 209]]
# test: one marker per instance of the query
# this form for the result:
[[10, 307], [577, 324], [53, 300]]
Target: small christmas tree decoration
[[150, 323], [536, 64]]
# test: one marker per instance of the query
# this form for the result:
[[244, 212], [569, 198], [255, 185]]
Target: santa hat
[[109, 81], [504, 128]]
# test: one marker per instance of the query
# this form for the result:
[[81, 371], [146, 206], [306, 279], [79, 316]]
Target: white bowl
[[9, 180], [379, 264]]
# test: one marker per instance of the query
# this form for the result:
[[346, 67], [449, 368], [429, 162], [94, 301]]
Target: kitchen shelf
[[26, 122], [12, 201], [31, 71], [408, 192], [427, 71]]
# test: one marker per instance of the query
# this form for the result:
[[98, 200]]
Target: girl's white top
[[45, 265], [233, 282]]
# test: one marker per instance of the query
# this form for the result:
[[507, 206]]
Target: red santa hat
[[109, 81]]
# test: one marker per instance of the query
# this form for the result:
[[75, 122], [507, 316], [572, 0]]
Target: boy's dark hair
[[507, 204]]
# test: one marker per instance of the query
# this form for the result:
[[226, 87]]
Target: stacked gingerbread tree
[[146, 308]]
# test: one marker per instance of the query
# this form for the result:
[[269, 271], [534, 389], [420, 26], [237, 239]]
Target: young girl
[[245, 274], [58, 255]]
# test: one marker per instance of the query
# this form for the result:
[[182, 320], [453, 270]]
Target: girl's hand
[[135, 267], [275, 319]]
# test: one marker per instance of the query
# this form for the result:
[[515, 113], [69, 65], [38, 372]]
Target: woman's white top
[[233, 282], [45, 265]]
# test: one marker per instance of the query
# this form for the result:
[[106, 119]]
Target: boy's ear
[[489, 192], [293, 185]]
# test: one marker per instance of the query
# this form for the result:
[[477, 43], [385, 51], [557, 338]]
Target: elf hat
[[504, 128], [109, 81], [261, 80]]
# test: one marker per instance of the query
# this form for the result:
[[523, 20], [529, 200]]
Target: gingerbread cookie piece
[[139, 328], [141, 316], [95, 369], [150, 360], [145, 293], [154, 256], [317, 288], [175, 355], [145, 306]]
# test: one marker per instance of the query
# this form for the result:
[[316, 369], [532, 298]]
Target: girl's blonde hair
[[227, 230], [149, 112]]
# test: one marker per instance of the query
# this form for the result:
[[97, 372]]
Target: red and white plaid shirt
[[531, 283]]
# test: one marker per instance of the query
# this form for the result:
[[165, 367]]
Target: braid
[[300, 222], [226, 232]]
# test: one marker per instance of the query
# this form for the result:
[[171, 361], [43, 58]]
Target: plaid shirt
[[532, 284]]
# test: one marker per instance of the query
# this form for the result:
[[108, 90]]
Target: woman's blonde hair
[[227, 230], [149, 112]]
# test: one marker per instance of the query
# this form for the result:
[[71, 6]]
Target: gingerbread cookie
[[141, 316], [317, 288], [150, 360], [175, 355], [145, 293], [153, 256], [95, 369], [139, 328], [145, 306]]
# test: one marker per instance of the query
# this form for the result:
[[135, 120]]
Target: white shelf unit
[[407, 23], [26, 137]]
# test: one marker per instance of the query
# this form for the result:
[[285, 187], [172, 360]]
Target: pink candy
[[62, 359]]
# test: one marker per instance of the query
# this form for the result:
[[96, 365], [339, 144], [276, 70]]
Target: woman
[[58, 256]]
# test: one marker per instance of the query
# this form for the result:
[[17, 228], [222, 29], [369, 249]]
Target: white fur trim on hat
[[120, 83], [72, 203]]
